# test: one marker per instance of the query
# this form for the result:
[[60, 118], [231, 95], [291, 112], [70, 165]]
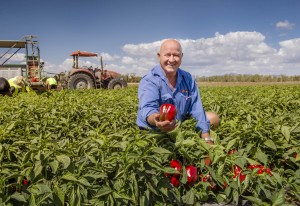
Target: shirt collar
[[157, 70]]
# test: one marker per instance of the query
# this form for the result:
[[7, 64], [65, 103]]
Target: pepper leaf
[[261, 156], [161, 150], [269, 143]]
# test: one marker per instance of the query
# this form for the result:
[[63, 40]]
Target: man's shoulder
[[151, 75], [186, 74]]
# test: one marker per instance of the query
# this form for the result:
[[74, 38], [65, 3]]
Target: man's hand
[[164, 126], [206, 135], [207, 159]]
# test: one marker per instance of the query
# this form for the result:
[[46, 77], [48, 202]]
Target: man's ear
[[158, 54], [181, 54]]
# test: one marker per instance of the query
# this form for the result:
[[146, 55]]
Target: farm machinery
[[31, 69], [88, 77]]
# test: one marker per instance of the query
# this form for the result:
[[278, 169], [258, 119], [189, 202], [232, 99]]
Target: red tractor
[[89, 77]]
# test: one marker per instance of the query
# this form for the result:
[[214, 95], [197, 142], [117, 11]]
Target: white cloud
[[284, 25], [143, 49], [290, 51], [108, 57], [128, 60], [234, 46]]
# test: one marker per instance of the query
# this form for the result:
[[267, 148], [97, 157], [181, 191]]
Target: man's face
[[170, 56]]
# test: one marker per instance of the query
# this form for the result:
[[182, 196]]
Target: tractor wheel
[[81, 81], [116, 84]]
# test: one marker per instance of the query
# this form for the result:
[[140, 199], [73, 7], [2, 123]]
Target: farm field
[[82, 147]]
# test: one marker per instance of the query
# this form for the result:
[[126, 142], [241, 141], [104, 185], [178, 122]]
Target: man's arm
[[153, 119]]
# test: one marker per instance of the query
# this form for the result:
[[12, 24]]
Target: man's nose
[[171, 58]]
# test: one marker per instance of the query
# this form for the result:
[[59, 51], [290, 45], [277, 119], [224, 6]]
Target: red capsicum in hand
[[237, 172], [167, 112]]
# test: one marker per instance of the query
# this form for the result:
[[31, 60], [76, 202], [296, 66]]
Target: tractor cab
[[83, 77], [78, 54]]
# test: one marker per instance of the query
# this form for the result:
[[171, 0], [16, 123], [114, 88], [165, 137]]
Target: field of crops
[[83, 148]]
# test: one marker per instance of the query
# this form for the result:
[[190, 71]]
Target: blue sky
[[218, 36]]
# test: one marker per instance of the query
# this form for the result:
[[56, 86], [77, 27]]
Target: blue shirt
[[154, 90]]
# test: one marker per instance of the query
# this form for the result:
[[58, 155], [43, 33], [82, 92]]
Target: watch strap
[[208, 139]]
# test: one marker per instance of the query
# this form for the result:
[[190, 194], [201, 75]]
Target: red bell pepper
[[208, 178], [174, 181], [268, 171], [177, 165], [174, 178], [295, 153], [224, 185], [25, 182], [231, 152], [191, 172], [207, 161], [237, 172], [261, 169], [167, 112], [253, 166]]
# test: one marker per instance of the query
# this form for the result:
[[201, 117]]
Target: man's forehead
[[170, 49]]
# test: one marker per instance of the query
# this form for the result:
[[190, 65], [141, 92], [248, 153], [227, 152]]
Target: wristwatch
[[209, 139]]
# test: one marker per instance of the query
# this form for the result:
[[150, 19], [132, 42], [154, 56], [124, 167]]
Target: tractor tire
[[116, 84], [81, 81]]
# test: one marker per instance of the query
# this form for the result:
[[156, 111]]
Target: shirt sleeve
[[197, 110], [148, 95]]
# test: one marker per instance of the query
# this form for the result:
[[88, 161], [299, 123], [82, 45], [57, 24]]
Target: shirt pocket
[[185, 105]]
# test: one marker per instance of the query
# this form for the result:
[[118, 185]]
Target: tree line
[[132, 77]]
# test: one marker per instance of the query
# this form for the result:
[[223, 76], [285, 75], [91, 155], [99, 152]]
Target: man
[[167, 83], [51, 83], [17, 84], [4, 87]]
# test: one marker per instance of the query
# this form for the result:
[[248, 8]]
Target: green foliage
[[248, 78], [83, 147]]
